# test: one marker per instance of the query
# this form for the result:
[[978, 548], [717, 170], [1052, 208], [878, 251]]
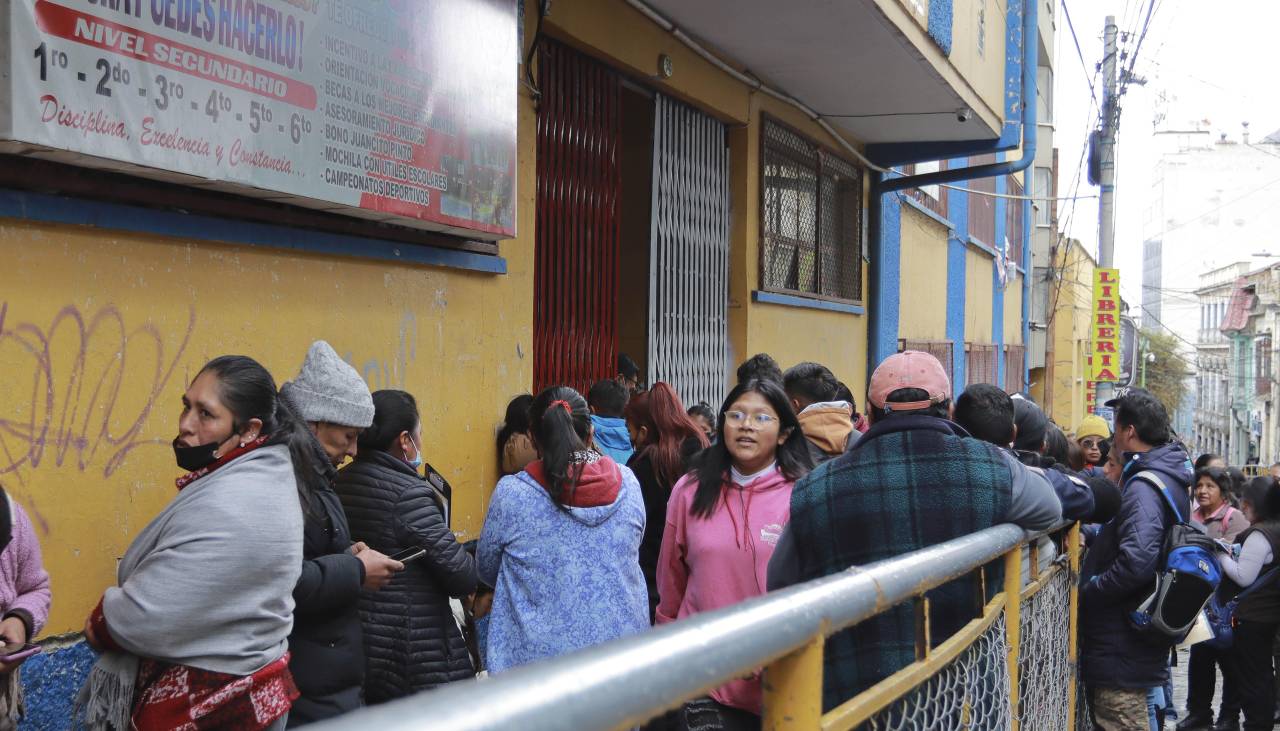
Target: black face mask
[[193, 458]]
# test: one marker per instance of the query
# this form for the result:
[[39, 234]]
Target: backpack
[[1186, 579], [1222, 614]]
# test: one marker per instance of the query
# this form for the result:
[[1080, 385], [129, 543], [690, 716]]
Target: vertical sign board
[[1104, 335], [393, 110]]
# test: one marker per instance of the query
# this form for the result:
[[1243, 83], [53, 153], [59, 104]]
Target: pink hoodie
[[710, 563]]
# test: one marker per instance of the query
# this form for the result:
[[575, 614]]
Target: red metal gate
[[575, 299]]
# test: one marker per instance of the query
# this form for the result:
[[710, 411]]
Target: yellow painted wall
[[1070, 333], [977, 297], [983, 70], [1013, 311], [835, 339], [922, 308], [85, 431]]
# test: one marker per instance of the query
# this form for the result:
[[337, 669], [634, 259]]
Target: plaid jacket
[[910, 482]]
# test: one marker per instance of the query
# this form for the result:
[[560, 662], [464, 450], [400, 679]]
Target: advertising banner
[[1104, 336], [395, 110]]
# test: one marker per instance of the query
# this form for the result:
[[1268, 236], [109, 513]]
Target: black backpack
[[1186, 578]]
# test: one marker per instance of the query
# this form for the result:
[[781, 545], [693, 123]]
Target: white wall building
[[1215, 200]]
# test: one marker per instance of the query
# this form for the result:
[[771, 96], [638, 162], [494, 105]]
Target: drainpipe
[[881, 347]]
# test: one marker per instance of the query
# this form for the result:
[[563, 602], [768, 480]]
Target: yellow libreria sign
[[1104, 334]]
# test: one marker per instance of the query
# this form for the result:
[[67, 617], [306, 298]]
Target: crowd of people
[[306, 565]]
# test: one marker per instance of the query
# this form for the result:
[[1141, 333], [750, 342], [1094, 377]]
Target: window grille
[[933, 197], [1013, 373], [811, 227], [1262, 373], [980, 363], [1013, 221]]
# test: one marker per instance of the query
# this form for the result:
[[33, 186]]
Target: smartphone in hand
[[15, 651], [410, 554]]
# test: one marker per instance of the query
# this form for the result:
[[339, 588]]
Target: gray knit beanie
[[328, 389]]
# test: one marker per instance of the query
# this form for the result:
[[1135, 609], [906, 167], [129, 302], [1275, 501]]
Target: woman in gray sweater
[[204, 600]]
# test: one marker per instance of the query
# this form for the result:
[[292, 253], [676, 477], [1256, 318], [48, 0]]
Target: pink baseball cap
[[909, 369]]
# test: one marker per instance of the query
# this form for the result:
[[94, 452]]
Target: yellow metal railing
[[1013, 666], [793, 683]]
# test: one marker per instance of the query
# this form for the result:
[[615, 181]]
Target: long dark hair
[[714, 462], [558, 432], [249, 392], [1263, 493], [661, 412], [516, 420], [394, 412]]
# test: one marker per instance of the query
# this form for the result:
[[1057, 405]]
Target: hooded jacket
[[1119, 572], [612, 438], [564, 576], [827, 427], [709, 563]]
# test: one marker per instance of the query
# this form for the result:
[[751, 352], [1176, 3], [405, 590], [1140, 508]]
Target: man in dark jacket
[[825, 419], [1120, 665], [326, 645], [914, 480], [988, 413]]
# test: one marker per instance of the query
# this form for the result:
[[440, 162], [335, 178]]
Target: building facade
[[1235, 365], [668, 204], [1209, 207]]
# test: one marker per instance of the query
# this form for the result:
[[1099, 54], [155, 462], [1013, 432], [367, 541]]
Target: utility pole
[[1107, 166], [1107, 149]]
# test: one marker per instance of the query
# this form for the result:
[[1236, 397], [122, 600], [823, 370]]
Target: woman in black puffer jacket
[[411, 640]]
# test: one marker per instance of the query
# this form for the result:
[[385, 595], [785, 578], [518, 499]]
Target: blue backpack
[[1187, 577], [1222, 613]]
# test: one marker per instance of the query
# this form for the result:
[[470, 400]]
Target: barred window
[[1013, 373], [981, 365], [811, 227]]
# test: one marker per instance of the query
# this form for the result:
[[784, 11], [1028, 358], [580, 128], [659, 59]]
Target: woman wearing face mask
[[411, 640], [195, 634], [1211, 492], [723, 522]]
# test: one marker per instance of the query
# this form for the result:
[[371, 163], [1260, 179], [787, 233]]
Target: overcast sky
[[1213, 59]]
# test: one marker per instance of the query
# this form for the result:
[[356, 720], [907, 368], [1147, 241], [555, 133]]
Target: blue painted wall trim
[[898, 153], [1028, 224], [79, 211], [886, 244], [790, 300], [940, 20], [957, 263], [918, 206], [982, 246], [1014, 52], [997, 290]]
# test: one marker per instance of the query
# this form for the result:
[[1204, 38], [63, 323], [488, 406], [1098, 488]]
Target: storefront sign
[[395, 110], [1104, 336]]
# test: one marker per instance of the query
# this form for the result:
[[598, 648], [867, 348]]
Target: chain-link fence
[[1044, 662], [972, 692]]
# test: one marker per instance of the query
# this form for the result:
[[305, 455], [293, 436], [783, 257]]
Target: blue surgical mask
[[416, 462]]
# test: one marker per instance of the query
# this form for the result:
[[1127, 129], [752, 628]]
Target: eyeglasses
[[759, 419]]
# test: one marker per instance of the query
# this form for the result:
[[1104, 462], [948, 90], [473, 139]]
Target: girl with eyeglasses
[[723, 522]]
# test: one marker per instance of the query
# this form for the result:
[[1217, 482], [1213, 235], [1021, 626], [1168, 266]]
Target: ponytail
[[560, 424]]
